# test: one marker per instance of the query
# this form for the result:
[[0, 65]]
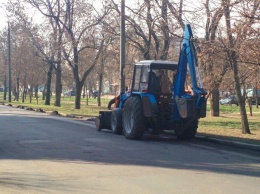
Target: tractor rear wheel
[[189, 132], [134, 123], [116, 121]]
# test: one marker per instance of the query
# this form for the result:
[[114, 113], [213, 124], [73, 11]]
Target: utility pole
[[9, 65], [101, 76], [122, 48], [5, 87]]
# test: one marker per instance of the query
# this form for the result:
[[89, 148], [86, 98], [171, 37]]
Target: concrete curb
[[242, 145], [54, 113]]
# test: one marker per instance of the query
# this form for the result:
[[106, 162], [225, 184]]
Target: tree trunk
[[84, 91], [250, 106], [36, 91], [44, 92], [17, 88], [79, 86], [58, 86], [211, 27], [24, 89], [214, 103], [30, 94], [100, 88], [87, 93], [101, 78], [256, 95], [244, 119], [241, 100], [165, 29], [48, 85], [23, 97], [14, 93]]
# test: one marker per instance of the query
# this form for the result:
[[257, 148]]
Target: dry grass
[[228, 126]]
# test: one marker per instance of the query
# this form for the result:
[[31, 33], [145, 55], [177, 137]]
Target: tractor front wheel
[[134, 123]]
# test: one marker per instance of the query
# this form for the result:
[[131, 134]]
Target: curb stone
[[242, 145]]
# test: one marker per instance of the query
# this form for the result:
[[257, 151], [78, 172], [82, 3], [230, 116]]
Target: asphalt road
[[47, 154]]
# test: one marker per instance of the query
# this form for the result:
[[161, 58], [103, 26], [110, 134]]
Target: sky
[[4, 13], [3, 18]]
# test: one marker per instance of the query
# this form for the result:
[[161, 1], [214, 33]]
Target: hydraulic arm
[[188, 63]]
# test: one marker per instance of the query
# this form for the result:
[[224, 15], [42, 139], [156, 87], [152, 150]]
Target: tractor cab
[[155, 77]]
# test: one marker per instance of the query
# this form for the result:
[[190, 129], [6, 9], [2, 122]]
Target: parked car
[[70, 93], [232, 99], [253, 101], [95, 93]]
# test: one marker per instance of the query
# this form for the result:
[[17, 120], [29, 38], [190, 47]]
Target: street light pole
[[9, 65], [122, 48], [101, 74]]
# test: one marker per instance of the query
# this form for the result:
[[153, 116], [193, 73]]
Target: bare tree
[[77, 19], [46, 49], [214, 71], [235, 36], [52, 11], [75, 36], [148, 28]]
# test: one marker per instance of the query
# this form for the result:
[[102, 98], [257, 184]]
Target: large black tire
[[190, 131], [116, 121], [134, 123]]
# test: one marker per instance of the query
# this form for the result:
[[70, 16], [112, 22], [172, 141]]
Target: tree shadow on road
[[46, 138]]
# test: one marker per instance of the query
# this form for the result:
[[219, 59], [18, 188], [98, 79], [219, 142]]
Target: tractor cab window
[[141, 79], [161, 80]]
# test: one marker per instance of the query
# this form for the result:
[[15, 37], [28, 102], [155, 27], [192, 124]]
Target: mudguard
[[148, 101]]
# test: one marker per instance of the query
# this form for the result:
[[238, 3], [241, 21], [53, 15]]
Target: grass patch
[[67, 105], [228, 125]]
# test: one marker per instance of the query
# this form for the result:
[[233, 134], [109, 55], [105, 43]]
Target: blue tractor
[[164, 96]]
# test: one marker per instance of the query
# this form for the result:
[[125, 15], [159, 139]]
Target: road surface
[[48, 154]]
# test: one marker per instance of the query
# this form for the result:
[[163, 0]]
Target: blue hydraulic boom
[[188, 64]]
